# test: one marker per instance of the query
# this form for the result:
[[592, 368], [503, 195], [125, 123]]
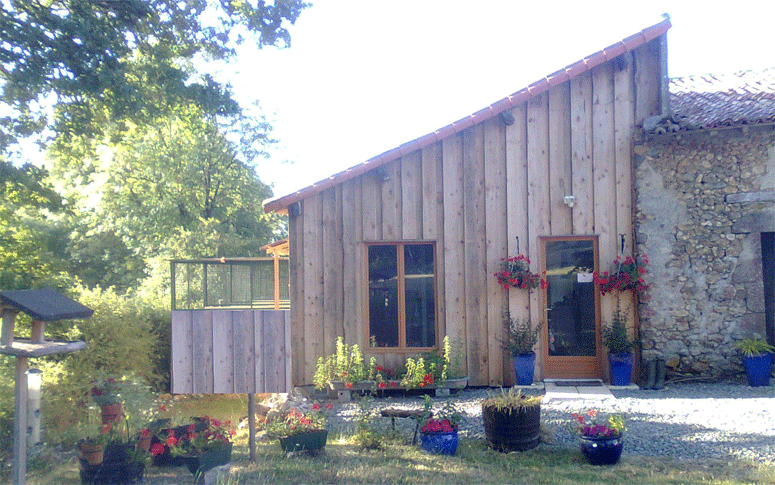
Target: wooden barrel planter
[[512, 428]]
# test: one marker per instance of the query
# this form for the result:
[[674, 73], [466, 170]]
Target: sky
[[364, 76]]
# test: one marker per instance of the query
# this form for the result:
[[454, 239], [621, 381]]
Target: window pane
[[383, 296], [571, 297], [419, 296]]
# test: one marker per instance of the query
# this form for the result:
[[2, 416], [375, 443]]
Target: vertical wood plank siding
[[475, 193], [231, 351]]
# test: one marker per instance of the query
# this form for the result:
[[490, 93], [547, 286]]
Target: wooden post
[[252, 427], [20, 423], [276, 281], [38, 334], [9, 317]]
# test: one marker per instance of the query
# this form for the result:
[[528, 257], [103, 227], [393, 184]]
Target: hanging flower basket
[[627, 275], [515, 273]]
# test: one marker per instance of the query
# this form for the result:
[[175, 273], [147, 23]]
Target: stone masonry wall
[[705, 272]]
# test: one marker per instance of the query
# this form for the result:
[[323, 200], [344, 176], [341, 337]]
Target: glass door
[[572, 337]]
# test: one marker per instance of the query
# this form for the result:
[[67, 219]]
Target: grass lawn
[[474, 463], [400, 463]]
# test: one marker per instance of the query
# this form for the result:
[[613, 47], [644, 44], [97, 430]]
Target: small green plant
[[345, 364], [369, 435], [521, 337], [511, 400], [754, 346], [615, 336]]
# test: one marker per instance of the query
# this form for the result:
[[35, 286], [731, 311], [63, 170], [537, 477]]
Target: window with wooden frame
[[402, 295]]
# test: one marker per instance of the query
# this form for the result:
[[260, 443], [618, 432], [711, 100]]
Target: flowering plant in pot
[[345, 365], [627, 275], [520, 339], [515, 273], [106, 392], [298, 423], [438, 434], [600, 441], [205, 443]]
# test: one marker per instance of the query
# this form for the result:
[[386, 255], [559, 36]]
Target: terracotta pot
[[111, 413], [93, 454]]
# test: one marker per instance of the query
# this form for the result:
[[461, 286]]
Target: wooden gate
[[231, 351]]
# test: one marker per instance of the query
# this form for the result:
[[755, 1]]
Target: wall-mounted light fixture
[[569, 200]]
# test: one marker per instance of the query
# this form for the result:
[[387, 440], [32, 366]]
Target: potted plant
[[438, 434], [515, 273], [344, 369], [299, 424], [757, 359], [512, 420], [204, 444], [106, 458], [521, 337], [92, 448], [616, 339], [601, 444], [106, 393]]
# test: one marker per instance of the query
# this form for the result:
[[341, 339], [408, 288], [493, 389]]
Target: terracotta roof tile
[[534, 89], [715, 100]]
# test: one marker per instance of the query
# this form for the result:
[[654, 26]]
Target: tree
[[33, 230], [182, 186], [73, 52]]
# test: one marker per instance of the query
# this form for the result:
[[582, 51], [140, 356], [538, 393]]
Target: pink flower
[[329, 406], [315, 407]]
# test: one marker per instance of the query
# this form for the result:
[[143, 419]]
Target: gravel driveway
[[684, 421]]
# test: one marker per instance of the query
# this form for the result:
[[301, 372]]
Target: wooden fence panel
[[182, 372], [235, 351]]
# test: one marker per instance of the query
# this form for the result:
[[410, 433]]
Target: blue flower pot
[[758, 368], [439, 443], [524, 366], [601, 451], [621, 369]]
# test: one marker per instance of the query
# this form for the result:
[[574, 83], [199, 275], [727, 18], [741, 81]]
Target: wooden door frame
[[571, 367]]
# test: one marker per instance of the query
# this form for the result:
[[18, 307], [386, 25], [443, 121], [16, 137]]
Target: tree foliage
[[181, 186], [33, 230], [79, 51]]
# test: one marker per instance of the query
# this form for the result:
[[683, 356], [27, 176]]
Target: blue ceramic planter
[[524, 366], [601, 451], [439, 443], [758, 368], [621, 369]]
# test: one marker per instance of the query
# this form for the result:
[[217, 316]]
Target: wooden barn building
[[399, 251]]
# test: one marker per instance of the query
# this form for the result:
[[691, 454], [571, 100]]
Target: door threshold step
[[575, 382]]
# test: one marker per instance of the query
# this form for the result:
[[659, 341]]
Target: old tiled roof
[[646, 35], [721, 100]]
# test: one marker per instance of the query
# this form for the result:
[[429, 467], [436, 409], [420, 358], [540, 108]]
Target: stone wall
[[702, 200]]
